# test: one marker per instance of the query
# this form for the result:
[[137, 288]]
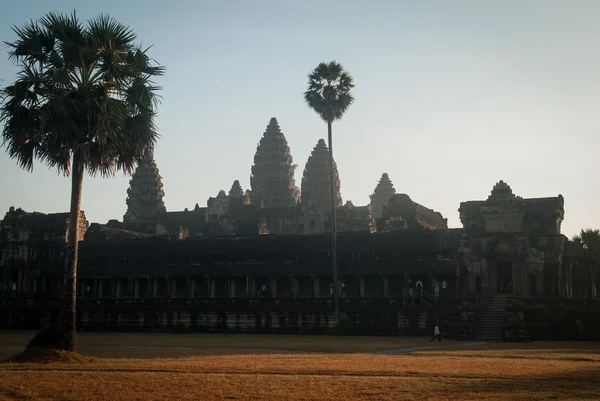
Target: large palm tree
[[329, 95], [83, 100]]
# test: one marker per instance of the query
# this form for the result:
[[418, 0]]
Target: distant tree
[[329, 95], [84, 100], [589, 241]]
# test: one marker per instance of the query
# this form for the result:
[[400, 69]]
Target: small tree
[[329, 95], [83, 100]]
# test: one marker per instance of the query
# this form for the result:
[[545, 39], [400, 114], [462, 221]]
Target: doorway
[[504, 277]]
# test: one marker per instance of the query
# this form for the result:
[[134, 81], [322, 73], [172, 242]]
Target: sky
[[451, 97]]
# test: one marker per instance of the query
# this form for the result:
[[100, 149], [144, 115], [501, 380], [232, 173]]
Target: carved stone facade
[[272, 179], [32, 249], [381, 195], [356, 218], [513, 245]]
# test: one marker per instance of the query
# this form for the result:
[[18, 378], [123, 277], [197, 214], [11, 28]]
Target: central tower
[[272, 179]]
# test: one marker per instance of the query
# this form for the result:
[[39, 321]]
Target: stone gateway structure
[[259, 260]]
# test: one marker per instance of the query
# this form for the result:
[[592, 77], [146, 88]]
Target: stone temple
[[259, 260]]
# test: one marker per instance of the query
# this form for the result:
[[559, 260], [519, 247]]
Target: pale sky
[[451, 97]]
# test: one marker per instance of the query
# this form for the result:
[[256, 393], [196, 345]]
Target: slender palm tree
[[329, 95], [83, 100]]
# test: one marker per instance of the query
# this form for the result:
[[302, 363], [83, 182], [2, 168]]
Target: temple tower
[[381, 195], [272, 179], [145, 194], [236, 190], [315, 180]]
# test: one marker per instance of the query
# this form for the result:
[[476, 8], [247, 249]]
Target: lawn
[[283, 367]]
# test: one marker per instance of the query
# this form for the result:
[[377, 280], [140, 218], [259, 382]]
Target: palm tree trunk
[[68, 314], [333, 225]]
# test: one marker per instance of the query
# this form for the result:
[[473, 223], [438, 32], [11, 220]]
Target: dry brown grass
[[287, 368]]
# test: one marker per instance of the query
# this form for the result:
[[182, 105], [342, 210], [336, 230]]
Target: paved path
[[425, 347]]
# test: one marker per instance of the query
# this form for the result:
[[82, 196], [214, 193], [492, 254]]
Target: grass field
[[278, 367]]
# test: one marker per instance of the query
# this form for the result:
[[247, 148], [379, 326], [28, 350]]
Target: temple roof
[[97, 232], [395, 241]]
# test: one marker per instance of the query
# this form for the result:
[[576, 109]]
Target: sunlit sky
[[451, 96]]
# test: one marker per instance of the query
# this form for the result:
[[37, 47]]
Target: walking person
[[13, 289], [437, 334]]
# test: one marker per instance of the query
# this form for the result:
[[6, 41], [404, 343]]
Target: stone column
[[154, 281], [173, 292], [212, 287], [232, 288], [485, 276], [316, 285], [192, 287], [561, 279], [100, 288], [361, 280], [249, 287], [294, 286], [273, 285], [517, 274], [386, 286]]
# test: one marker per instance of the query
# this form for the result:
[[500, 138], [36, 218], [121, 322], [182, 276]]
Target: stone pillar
[[173, 292], [231, 288], [118, 284], [136, 287], [485, 276], [361, 281], [100, 288], [386, 287], [249, 287], [154, 287], [316, 285], [517, 274], [19, 281], [192, 287], [212, 287], [273, 285], [561, 279], [294, 286]]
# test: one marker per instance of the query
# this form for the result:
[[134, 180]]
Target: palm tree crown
[[81, 89], [589, 240], [329, 91]]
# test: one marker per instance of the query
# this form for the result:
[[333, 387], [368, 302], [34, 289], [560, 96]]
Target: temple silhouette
[[260, 260]]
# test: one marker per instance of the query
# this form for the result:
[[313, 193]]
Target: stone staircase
[[491, 319]]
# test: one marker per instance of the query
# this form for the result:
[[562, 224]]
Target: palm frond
[[329, 91], [81, 88]]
